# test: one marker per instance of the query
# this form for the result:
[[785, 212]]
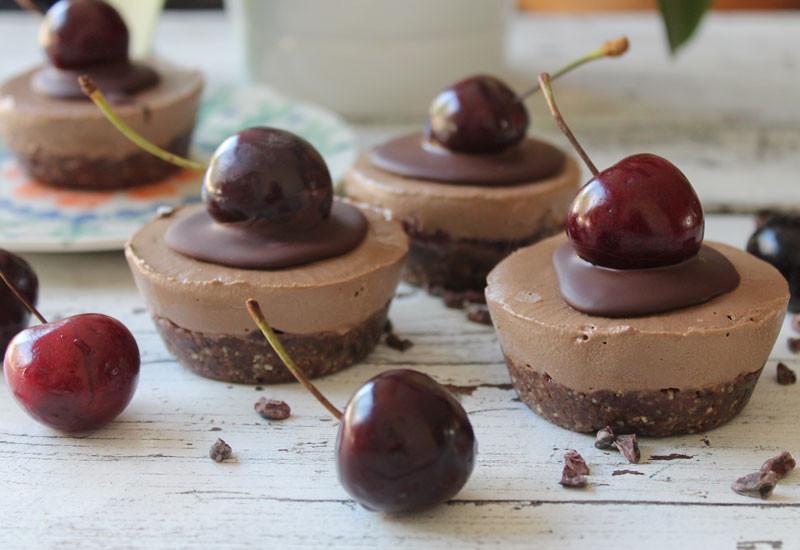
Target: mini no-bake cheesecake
[[472, 187], [323, 270], [61, 139], [630, 320]]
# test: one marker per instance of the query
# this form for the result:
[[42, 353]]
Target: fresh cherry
[[640, 213], [75, 374], [479, 114], [14, 316], [77, 34], [777, 241], [404, 444], [482, 114], [268, 178]]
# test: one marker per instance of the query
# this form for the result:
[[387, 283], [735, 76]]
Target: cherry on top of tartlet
[[88, 37], [635, 238], [268, 200], [476, 134]]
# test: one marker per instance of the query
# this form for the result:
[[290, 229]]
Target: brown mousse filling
[[607, 292], [414, 156]]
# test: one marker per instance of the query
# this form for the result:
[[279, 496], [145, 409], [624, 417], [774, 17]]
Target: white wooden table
[[146, 481]]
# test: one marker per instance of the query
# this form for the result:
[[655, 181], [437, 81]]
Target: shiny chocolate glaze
[[607, 292], [414, 156], [115, 80], [200, 237]]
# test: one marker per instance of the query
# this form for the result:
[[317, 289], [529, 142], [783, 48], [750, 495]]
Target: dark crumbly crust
[[440, 263], [77, 172], [648, 413], [250, 360]]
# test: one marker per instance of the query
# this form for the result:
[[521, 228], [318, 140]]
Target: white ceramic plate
[[37, 218]]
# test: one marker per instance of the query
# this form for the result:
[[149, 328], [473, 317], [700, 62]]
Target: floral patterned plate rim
[[37, 218]]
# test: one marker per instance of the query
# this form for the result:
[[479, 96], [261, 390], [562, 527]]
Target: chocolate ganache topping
[[416, 156], [269, 205], [88, 37]]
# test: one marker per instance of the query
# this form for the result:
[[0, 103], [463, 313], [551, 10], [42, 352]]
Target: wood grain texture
[[146, 481]]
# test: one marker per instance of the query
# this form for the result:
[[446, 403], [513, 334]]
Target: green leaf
[[681, 19]]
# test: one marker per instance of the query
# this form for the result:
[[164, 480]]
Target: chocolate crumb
[[706, 441], [272, 409], [626, 472], [794, 344], [780, 465], [395, 342], [605, 438], [453, 300], [785, 375], [671, 456], [215, 429], [756, 485], [575, 469], [387, 326], [478, 313], [629, 447], [220, 451]]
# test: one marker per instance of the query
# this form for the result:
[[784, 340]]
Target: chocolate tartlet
[[630, 320], [323, 270], [61, 139]]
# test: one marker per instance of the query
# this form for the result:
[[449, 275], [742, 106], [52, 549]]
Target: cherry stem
[[258, 317], [93, 92], [28, 5], [25, 302], [544, 82], [611, 48]]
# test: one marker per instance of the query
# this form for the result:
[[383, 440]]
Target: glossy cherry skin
[[76, 374], [777, 241], [13, 315], [404, 444], [269, 179], [641, 212], [77, 34], [479, 114]]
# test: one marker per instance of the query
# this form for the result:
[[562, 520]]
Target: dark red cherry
[[14, 316], [404, 444], [75, 374], [777, 241], [479, 114], [270, 179], [641, 212], [77, 34]]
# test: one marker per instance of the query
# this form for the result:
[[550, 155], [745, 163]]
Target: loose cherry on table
[[777, 241], [404, 444], [482, 114], [78, 34], [14, 316], [75, 374], [642, 212]]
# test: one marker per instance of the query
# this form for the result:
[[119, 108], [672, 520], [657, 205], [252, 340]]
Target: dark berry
[[14, 316], [777, 241]]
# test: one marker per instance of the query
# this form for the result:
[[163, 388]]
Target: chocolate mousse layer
[[680, 371], [330, 313], [459, 232], [69, 143]]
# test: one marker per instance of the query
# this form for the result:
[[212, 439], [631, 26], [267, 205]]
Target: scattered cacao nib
[[220, 451], [756, 485], [795, 322], [605, 438], [395, 342], [272, 409], [671, 456], [453, 300], [794, 344], [779, 465], [629, 447], [387, 326], [575, 469], [706, 441], [574, 460], [626, 472], [478, 313], [785, 375]]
